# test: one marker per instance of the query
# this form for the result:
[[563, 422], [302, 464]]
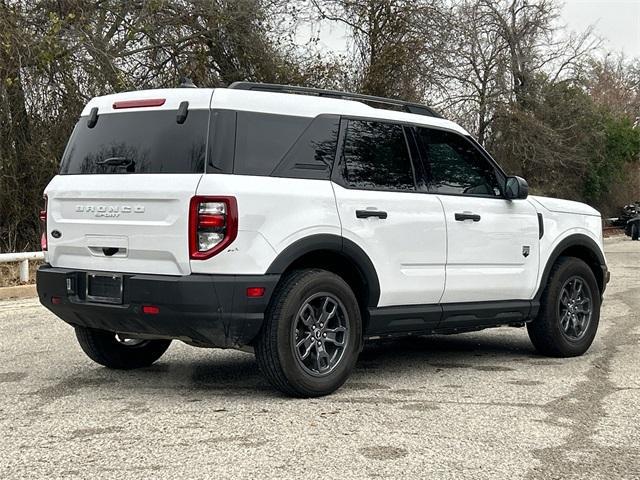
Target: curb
[[20, 291]]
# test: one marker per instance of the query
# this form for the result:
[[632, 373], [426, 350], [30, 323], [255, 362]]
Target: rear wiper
[[116, 161]]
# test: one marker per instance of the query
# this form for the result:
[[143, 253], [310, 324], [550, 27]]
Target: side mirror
[[516, 188]]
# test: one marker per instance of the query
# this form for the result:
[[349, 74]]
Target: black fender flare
[[573, 240], [335, 244]]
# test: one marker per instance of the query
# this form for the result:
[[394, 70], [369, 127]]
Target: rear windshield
[[138, 142]]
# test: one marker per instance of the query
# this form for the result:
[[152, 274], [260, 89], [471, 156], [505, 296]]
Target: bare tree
[[393, 40], [503, 68]]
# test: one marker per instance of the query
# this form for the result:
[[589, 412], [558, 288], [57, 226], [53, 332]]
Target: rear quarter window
[[285, 146], [138, 142]]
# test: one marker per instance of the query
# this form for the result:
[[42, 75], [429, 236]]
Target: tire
[[105, 348], [547, 332], [294, 316], [635, 231]]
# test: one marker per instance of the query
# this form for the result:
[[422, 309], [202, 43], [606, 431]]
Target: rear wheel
[[635, 231], [117, 351], [569, 310], [312, 334]]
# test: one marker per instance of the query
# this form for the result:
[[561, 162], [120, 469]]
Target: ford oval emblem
[[56, 233]]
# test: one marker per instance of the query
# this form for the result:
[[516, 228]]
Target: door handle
[[461, 217], [371, 213]]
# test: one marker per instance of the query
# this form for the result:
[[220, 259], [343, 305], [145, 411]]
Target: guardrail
[[23, 258]]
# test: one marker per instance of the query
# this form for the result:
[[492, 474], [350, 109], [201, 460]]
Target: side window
[[263, 139], [375, 156], [454, 166], [285, 146], [313, 153]]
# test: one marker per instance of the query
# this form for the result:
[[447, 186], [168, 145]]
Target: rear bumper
[[209, 310]]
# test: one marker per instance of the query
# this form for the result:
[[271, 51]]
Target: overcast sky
[[616, 21]]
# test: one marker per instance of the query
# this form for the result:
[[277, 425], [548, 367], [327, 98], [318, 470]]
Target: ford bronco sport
[[299, 223]]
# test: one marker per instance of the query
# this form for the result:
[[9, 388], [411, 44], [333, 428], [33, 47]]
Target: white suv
[[299, 223]]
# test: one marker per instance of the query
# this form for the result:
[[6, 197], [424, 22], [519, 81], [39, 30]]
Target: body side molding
[[397, 321]]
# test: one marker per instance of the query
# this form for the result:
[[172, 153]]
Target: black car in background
[[630, 220]]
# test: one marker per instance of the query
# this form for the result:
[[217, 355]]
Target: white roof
[[264, 102], [198, 98]]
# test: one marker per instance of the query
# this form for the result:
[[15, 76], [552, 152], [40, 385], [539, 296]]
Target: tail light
[[43, 226], [213, 225]]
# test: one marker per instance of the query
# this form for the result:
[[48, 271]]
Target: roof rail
[[389, 102]]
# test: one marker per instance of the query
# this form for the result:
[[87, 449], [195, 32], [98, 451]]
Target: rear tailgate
[[121, 201]]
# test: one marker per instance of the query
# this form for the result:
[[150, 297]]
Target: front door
[[494, 255], [492, 243]]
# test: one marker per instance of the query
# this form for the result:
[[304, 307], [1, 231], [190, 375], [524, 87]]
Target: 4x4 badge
[[525, 251]]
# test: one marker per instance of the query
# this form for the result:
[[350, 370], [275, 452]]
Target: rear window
[[138, 142]]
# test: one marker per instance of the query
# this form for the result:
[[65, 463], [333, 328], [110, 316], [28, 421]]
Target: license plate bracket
[[104, 288]]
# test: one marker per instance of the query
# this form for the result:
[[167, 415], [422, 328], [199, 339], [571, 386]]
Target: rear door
[[402, 231], [492, 243], [121, 200]]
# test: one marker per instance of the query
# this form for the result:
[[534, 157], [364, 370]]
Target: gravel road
[[472, 406]]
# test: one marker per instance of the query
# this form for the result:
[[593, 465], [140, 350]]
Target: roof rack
[[388, 102]]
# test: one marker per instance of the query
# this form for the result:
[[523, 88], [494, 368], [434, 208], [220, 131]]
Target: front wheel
[[312, 334], [635, 231], [569, 310], [119, 352]]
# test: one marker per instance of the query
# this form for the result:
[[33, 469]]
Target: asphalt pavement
[[471, 406]]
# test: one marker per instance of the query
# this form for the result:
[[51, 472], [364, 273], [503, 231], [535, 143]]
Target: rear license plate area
[[104, 288]]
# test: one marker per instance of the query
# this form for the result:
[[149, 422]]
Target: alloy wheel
[[320, 334], [575, 308]]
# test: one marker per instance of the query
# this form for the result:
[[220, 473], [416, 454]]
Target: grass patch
[[10, 273]]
